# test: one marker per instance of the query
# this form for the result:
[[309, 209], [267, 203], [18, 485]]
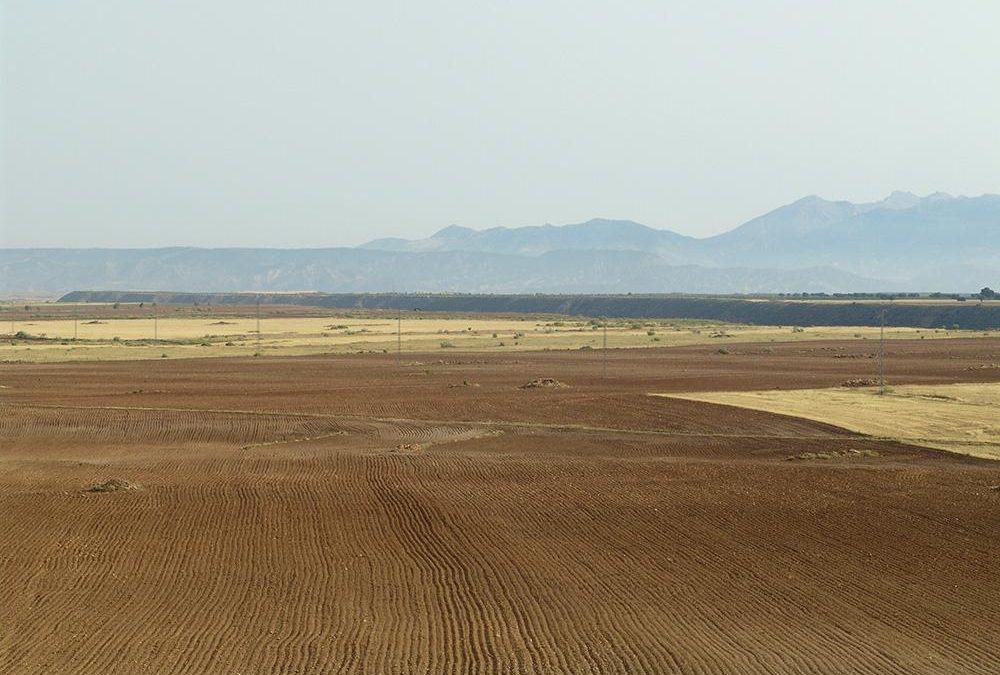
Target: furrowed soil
[[352, 514]]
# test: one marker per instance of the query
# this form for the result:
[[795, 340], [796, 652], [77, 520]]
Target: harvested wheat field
[[352, 514], [961, 418], [53, 333]]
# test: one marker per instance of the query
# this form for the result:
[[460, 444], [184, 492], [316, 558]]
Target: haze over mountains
[[904, 242]]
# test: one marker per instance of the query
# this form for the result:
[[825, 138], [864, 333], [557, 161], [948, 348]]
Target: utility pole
[[881, 358], [605, 350], [258, 326]]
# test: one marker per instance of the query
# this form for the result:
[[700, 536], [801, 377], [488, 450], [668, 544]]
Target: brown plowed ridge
[[343, 515]]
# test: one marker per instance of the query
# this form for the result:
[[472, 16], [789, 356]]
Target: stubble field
[[348, 514], [52, 333]]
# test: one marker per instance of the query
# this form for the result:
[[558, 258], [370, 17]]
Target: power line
[[258, 327], [881, 358], [605, 350]]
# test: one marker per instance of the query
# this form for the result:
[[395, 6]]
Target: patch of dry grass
[[52, 339], [960, 418]]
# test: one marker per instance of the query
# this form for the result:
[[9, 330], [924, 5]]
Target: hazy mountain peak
[[453, 231], [610, 221], [596, 234], [938, 197], [899, 199], [815, 204], [796, 219], [611, 225], [809, 200]]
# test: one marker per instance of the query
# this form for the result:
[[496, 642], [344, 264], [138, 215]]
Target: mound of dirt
[[543, 383], [113, 485], [865, 382], [222, 323]]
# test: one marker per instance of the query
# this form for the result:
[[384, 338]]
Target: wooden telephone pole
[[258, 326], [881, 358], [605, 351]]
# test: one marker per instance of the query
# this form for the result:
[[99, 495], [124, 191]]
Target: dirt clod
[[543, 383], [113, 485]]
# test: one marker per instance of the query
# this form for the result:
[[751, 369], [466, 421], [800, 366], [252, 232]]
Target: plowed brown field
[[350, 515]]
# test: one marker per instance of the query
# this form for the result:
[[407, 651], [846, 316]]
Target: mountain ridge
[[901, 243], [831, 211]]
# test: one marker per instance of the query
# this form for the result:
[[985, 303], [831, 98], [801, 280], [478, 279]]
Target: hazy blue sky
[[242, 123]]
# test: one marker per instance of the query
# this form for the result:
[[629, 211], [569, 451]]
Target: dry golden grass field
[[54, 333], [963, 418]]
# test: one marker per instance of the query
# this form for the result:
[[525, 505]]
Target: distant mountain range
[[903, 242]]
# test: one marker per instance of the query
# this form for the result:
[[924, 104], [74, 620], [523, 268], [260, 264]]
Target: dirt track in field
[[352, 515]]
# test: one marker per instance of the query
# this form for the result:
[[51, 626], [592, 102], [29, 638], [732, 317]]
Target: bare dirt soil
[[348, 514]]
